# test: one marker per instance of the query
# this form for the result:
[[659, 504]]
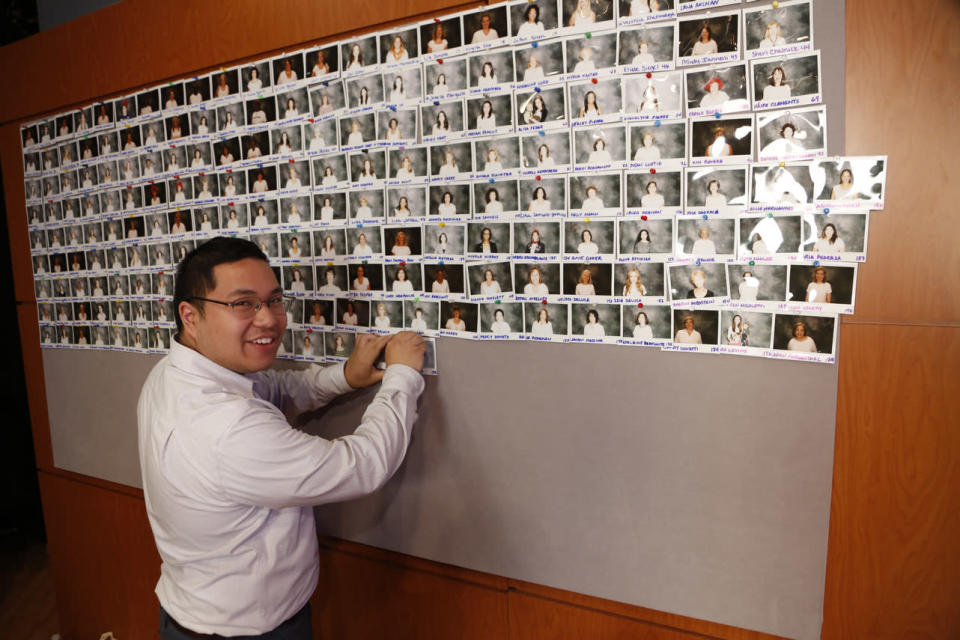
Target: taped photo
[[595, 194], [590, 239], [711, 240], [495, 200], [486, 27], [718, 89], [695, 285], [594, 102], [653, 96], [364, 242], [457, 318], [366, 205], [648, 48], [445, 78], [502, 320], [330, 172], [639, 282], [745, 332], [791, 81], [443, 279], [840, 237], [490, 72], [421, 316], [805, 337], [538, 64], [543, 108], [408, 165], [338, 345], [600, 148], [486, 239], [708, 38], [591, 55], [533, 20], [288, 70], [646, 324], [449, 202], [545, 153], [323, 64], [399, 47], [778, 29], [721, 141], [659, 193], [799, 134], [818, 287], [359, 55], [594, 322], [402, 243], [633, 12], [586, 280], [358, 131], [443, 241], [440, 37], [545, 321], [386, 316], [537, 280], [693, 328], [496, 158], [402, 86], [407, 203], [330, 244], [587, 15], [402, 280], [490, 115], [225, 83], [543, 197], [327, 99], [489, 280], [716, 191], [331, 280], [368, 167], [321, 137], [442, 120], [856, 183], [365, 278]]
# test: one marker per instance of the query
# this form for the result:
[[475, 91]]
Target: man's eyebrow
[[251, 292]]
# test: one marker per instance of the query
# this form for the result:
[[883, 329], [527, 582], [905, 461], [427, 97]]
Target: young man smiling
[[229, 485]]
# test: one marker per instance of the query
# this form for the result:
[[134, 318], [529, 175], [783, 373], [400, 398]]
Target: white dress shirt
[[230, 486]]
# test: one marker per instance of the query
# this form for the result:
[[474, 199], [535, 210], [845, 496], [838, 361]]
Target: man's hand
[[406, 348], [359, 369]]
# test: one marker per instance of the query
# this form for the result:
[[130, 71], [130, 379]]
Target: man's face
[[244, 345]]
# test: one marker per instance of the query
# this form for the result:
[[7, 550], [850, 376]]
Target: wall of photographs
[[632, 173]]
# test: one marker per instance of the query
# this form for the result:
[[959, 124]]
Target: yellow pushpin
[[586, 219]]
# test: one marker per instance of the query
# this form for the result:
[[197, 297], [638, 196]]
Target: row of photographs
[[782, 238], [714, 37], [334, 324], [828, 288], [835, 184], [446, 113]]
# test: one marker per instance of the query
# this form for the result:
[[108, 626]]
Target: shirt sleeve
[[300, 390], [264, 462]]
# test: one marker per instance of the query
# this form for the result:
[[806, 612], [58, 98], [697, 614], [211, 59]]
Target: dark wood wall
[[893, 566]]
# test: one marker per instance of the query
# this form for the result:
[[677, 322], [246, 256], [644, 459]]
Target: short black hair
[[195, 272]]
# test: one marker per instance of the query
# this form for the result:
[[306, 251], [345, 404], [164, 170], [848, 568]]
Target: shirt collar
[[195, 363]]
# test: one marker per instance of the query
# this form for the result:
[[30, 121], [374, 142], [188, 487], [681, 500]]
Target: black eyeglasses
[[249, 307]]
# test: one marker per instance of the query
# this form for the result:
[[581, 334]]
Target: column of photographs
[[573, 171]]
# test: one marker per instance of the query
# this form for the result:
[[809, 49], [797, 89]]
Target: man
[[229, 485]]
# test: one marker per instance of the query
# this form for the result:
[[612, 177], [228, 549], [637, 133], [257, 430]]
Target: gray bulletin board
[[690, 483]]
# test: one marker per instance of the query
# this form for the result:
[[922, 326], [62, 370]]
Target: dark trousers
[[298, 627]]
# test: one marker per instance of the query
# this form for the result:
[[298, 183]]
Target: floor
[[28, 608]]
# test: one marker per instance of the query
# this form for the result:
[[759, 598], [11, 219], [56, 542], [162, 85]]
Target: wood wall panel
[[36, 389], [901, 101]]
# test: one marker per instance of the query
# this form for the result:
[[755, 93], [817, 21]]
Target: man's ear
[[190, 316]]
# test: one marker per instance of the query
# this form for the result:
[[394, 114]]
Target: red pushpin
[[651, 170], [643, 217], [649, 75], [538, 177], [594, 81], [543, 302], [440, 61], [639, 305]]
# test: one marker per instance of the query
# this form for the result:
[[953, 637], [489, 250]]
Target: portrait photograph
[[440, 37], [543, 196], [443, 277], [364, 242], [822, 284], [587, 279], [716, 189], [486, 238], [657, 97], [661, 192], [746, 328], [224, 83], [696, 326], [458, 316], [594, 102], [357, 130], [845, 182], [327, 98], [706, 238], [445, 80], [399, 46], [490, 71], [697, 281], [536, 279], [495, 199], [449, 201], [718, 89], [804, 333], [323, 62], [586, 15], [408, 164], [451, 161], [797, 134], [421, 315], [287, 69], [501, 318], [757, 282], [402, 85], [595, 320], [594, 194], [639, 280], [443, 239], [593, 237], [586, 57], [639, 11], [366, 205], [547, 152], [600, 147], [545, 320], [777, 186], [721, 140], [835, 234], [775, 30], [770, 235], [359, 55], [485, 27], [488, 280], [712, 37], [649, 322], [539, 63], [402, 280], [649, 48], [788, 81]]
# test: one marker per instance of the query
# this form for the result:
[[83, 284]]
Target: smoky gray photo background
[[723, 29], [546, 14], [368, 52], [760, 331], [418, 160], [680, 285], [502, 108], [772, 277], [502, 273], [326, 309], [604, 47], [394, 311], [377, 157], [453, 110], [819, 328], [502, 61], [339, 276], [371, 271], [554, 99], [512, 315], [603, 12], [734, 80], [372, 235], [412, 82], [556, 189], [851, 228], [155, 158], [832, 170], [416, 199], [840, 279], [506, 192], [302, 169], [549, 235], [669, 185], [733, 184], [794, 23], [498, 21], [651, 275], [615, 139], [431, 313], [339, 240], [508, 148], [414, 238], [338, 200], [263, 70], [705, 321], [499, 235], [205, 152], [550, 272], [460, 193], [455, 237], [702, 135], [668, 86], [789, 227], [607, 184], [607, 92], [462, 153], [316, 344], [608, 315], [301, 101], [328, 131], [659, 38], [787, 184], [267, 243], [306, 274], [802, 74], [410, 42], [333, 90], [658, 317], [722, 232], [267, 104], [330, 340], [331, 57], [558, 314], [368, 127], [468, 313], [812, 122], [180, 153], [451, 33], [336, 161], [217, 187], [243, 219], [374, 201], [413, 275], [453, 273], [549, 55], [453, 71], [303, 241], [603, 232], [212, 214], [233, 108], [600, 272], [557, 143], [296, 65]]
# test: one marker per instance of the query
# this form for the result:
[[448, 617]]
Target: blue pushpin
[[705, 216], [657, 123], [698, 262], [816, 263], [436, 103], [492, 180], [827, 211], [537, 89], [534, 44], [393, 107], [717, 115], [542, 132], [326, 83]]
